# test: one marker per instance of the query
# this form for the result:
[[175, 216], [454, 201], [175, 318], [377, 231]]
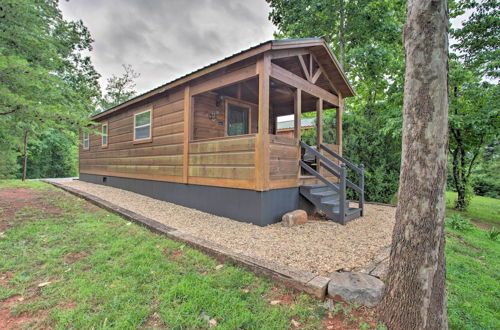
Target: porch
[[233, 140]]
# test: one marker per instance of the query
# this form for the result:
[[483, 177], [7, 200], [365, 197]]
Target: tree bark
[[25, 145], [415, 294]]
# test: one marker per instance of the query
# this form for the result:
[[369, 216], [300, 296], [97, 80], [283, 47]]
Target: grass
[[103, 271], [473, 268], [485, 210], [74, 265]]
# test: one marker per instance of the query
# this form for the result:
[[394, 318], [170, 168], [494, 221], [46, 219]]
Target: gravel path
[[319, 246]]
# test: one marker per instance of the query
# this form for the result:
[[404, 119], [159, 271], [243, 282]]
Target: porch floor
[[319, 246]]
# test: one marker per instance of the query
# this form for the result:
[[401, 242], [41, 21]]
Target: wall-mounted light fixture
[[219, 99]]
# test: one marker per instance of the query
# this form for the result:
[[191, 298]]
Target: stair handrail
[[319, 176], [322, 157], [361, 172], [342, 159]]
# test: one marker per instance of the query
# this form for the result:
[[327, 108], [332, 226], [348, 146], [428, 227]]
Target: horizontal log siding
[[283, 158], [160, 159], [230, 159]]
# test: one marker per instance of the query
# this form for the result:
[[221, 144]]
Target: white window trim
[[150, 124], [102, 134], [86, 139]]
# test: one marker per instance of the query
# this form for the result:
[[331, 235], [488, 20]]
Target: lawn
[[69, 264], [473, 268], [485, 210]]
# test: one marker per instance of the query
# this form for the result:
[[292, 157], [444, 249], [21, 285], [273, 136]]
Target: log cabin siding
[[283, 157], [159, 159], [231, 159]]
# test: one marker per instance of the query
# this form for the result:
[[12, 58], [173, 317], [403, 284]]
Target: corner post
[[187, 133], [342, 193], [298, 125], [362, 186], [262, 138], [340, 111], [319, 130]]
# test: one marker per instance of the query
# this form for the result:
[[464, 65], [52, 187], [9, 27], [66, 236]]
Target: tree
[[479, 37], [45, 80], [120, 88], [473, 125], [415, 295]]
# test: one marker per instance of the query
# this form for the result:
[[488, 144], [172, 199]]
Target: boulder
[[294, 218], [354, 287]]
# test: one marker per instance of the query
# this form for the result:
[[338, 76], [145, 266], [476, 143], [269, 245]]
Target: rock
[[354, 287], [275, 302], [219, 267], [294, 218]]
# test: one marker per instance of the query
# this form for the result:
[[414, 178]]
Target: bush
[[457, 222]]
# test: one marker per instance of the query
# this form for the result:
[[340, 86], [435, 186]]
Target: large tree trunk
[[415, 294], [25, 146]]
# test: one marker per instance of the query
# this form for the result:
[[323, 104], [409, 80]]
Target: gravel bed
[[319, 246]]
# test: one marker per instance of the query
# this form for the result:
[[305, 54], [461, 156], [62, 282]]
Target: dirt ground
[[319, 246]]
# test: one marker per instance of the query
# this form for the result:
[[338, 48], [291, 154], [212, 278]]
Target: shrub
[[457, 222]]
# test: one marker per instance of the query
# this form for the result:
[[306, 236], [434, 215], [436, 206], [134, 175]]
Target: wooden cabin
[[208, 140]]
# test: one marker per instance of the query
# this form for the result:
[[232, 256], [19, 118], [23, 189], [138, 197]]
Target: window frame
[[150, 138], [85, 139], [240, 104], [105, 145]]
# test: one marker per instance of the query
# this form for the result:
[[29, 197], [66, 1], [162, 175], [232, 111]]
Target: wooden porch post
[[262, 138], [297, 112], [319, 129], [187, 133], [340, 111]]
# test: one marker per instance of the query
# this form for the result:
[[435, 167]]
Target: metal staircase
[[330, 197]]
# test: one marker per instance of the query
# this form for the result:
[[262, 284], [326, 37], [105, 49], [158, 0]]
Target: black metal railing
[[339, 172]]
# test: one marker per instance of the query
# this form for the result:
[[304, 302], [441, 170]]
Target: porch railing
[[340, 171]]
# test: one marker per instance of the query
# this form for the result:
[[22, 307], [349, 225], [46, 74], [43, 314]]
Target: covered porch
[[233, 138]]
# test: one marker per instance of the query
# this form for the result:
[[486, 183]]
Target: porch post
[[319, 129], [298, 113], [262, 138], [340, 111], [187, 133]]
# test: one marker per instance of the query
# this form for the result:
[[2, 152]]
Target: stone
[[294, 218], [354, 287]]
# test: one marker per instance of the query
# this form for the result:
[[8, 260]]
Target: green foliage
[[478, 39], [458, 223], [486, 175], [473, 124], [53, 155], [493, 234], [119, 88], [482, 209], [45, 81]]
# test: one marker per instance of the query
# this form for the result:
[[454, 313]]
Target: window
[[238, 119], [104, 136], [85, 140], [142, 126]]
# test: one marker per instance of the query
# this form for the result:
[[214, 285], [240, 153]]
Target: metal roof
[[304, 122], [163, 87]]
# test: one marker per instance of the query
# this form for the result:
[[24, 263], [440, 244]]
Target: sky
[[163, 40]]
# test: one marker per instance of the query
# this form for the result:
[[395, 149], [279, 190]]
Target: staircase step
[[324, 193]]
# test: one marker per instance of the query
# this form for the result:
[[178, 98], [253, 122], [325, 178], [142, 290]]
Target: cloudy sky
[[163, 40]]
